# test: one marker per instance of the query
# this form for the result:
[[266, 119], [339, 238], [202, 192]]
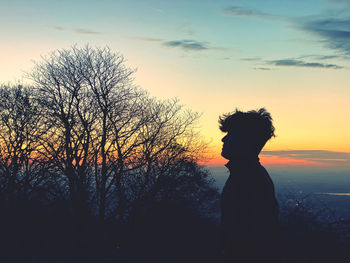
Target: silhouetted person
[[249, 219]]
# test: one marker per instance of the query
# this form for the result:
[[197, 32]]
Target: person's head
[[247, 132]]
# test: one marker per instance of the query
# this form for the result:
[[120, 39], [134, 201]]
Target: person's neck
[[242, 160]]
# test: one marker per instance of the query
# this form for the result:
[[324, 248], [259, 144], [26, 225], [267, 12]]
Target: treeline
[[83, 143]]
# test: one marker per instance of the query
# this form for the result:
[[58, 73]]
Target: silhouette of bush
[[173, 231], [175, 225], [311, 232]]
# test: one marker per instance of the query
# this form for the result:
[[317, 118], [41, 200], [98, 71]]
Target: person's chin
[[225, 155]]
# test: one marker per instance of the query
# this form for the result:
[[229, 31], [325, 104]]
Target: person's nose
[[224, 138]]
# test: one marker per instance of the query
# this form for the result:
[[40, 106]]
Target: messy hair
[[255, 123]]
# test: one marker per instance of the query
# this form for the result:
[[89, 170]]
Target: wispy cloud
[[86, 31], [186, 44], [251, 59], [318, 156], [242, 11], [295, 62], [301, 63], [58, 28], [147, 39], [261, 68], [82, 31], [332, 28], [333, 32], [320, 57]]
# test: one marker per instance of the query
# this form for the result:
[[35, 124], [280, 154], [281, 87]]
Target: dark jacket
[[249, 219]]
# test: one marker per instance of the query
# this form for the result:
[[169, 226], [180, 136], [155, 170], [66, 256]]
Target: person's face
[[232, 145], [236, 145]]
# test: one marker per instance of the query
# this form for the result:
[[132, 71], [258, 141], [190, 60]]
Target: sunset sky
[[291, 57]]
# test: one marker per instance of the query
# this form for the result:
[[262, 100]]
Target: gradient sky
[[292, 57]]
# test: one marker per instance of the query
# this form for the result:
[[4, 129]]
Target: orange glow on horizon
[[271, 161]]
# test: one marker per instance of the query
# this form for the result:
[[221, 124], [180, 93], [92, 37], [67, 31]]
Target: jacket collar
[[238, 162]]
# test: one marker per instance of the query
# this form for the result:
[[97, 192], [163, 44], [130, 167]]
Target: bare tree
[[170, 146], [69, 116], [21, 166], [110, 139]]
